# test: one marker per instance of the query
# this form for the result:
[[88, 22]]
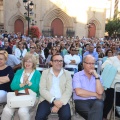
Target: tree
[[34, 32], [113, 27]]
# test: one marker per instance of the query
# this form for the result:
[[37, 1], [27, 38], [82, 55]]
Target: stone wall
[[45, 11]]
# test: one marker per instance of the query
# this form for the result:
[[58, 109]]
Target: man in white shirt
[[72, 60], [55, 91]]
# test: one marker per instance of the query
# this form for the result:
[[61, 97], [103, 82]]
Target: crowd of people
[[86, 57]]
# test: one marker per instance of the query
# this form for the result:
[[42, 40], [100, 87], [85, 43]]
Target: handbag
[[21, 100]]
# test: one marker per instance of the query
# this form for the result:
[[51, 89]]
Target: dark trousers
[[90, 109], [44, 109], [108, 102]]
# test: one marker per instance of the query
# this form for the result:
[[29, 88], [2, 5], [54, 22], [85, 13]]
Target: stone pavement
[[51, 117]]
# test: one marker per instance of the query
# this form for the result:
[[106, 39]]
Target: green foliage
[[27, 18], [113, 27]]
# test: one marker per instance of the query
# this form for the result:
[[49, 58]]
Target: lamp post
[[28, 4]]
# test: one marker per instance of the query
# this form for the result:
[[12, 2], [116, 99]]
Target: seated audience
[[14, 62], [6, 76], [108, 54], [26, 78], [72, 60], [40, 52], [33, 52], [100, 56], [7, 47], [20, 51], [53, 51], [55, 91], [88, 91]]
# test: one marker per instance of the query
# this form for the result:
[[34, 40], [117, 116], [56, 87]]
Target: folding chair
[[116, 89]]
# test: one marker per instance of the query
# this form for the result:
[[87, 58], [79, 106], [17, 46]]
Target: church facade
[[55, 17]]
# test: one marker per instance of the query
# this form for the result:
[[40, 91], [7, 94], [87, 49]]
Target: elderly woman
[[26, 78], [115, 61], [6, 76]]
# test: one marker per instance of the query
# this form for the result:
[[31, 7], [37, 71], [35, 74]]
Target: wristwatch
[[53, 100], [97, 78]]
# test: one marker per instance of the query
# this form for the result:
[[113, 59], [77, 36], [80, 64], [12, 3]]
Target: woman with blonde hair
[[6, 76], [26, 78]]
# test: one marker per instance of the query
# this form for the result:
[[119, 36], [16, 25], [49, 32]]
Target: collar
[[60, 73]]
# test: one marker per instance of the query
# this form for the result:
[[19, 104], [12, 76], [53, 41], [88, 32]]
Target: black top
[[7, 71], [9, 50]]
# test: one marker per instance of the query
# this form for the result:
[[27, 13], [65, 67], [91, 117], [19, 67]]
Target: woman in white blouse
[[115, 61], [20, 51]]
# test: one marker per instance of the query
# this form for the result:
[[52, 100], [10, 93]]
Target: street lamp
[[33, 22], [28, 4]]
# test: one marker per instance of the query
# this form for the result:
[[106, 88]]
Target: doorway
[[57, 27], [19, 26]]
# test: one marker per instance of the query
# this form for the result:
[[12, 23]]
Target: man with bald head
[[88, 91]]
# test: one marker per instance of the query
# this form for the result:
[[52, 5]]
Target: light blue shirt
[[94, 54]]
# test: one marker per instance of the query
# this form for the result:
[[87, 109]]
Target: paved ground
[[51, 117]]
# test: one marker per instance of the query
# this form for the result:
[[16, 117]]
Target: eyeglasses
[[54, 49], [89, 63], [32, 47], [28, 61], [58, 61]]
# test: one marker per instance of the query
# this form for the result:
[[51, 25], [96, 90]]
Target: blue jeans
[[72, 69], [44, 109]]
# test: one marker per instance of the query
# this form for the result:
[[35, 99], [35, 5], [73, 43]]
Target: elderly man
[[88, 91], [55, 91], [95, 55]]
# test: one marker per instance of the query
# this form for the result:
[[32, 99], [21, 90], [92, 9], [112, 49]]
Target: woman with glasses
[[20, 51], [53, 51], [6, 76], [27, 78], [108, 53], [33, 52]]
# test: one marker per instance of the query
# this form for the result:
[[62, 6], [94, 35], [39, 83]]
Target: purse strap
[[18, 94]]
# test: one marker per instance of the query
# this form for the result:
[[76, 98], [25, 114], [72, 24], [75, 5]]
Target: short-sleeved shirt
[[12, 60], [80, 80]]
